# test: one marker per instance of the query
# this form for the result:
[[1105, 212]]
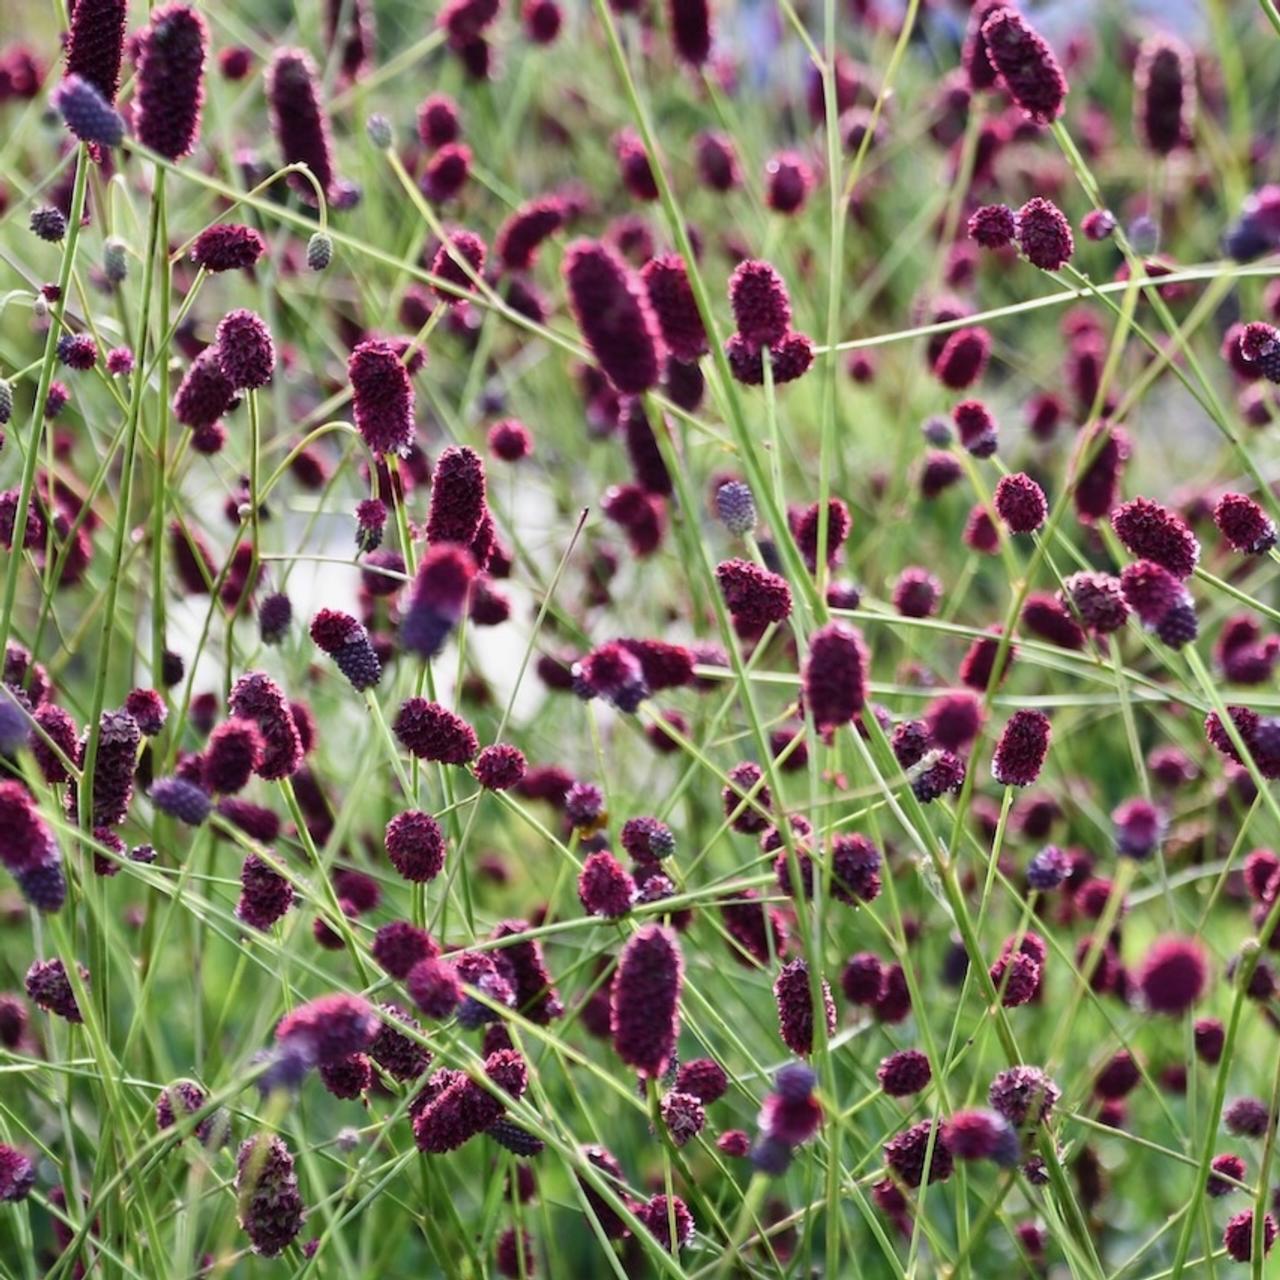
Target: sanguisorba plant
[[639, 639]]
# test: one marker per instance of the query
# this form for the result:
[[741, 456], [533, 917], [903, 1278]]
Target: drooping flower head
[[227, 246], [1044, 234]]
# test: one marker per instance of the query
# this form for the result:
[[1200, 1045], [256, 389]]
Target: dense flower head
[[415, 845], [754, 596], [976, 427], [1244, 524], [17, 1174], [256, 697], [382, 396], [666, 281], [613, 313], [789, 358], [980, 1135], [299, 121], [656, 1216], [265, 895], [604, 887], [1020, 503], [1153, 532], [170, 81], [906, 1154], [1164, 82], [788, 180], [1023, 1095], [245, 350], [795, 1007], [1237, 1236], [1021, 750], [962, 357], [1044, 234], [270, 1207], [437, 598], [432, 732], [1173, 975], [993, 226], [95, 44], [761, 306], [227, 246], [1025, 65], [645, 1016], [181, 799], [1139, 826], [49, 988], [916, 592], [835, 674], [457, 496], [903, 1073]]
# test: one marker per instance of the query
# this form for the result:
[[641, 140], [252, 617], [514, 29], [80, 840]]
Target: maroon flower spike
[[645, 1015], [613, 313], [1020, 503], [452, 1108], [382, 396], [1025, 65], [95, 44], [445, 176], [795, 1007], [1043, 616], [463, 247], [993, 226], [245, 350], [265, 895], [1152, 532], [633, 165], [542, 20], [299, 121], [147, 707], [170, 81], [205, 392], [118, 742], [962, 358], [1173, 975], [753, 595], [979, 661], [86, 113], [761, 307], [57, 725], [1023, 745], [434, 987], [399, 945], [457, 496], [954, 720], [522, 959], [227, 247], [690, 24], [666, 282], [255, 696], [976, 427], [1244, 524], [604, 888], [835, 675], [415, 845], [270, 1208], [432, 732], [1044, 234], [1164, 87]]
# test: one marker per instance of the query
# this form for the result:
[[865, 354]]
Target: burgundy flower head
[[1044, 234], [613, 313], [671, 296], [962, 358], [1244, 524], [690, 24], [205, 392], [245, 350], [227, 246], [256, 697], [170, 82], [788, 179], [1020, 503], [795, 1007], [432, 732], [265, 896], [993, 226], [86, 113], [645, 1015], [1025, 65], [299, 121], [753, 595], [903, 1073], [382, 396], [95, 44], [1164, 85], [613, 672], [457, 496], [1173, 975], [437, 598], [463, 246], [415, 845], [604, 888], [906, 1154], [976, 427], [835, 674], [761, 307], [1021, 750], [270, 1208], [1152, 532]]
